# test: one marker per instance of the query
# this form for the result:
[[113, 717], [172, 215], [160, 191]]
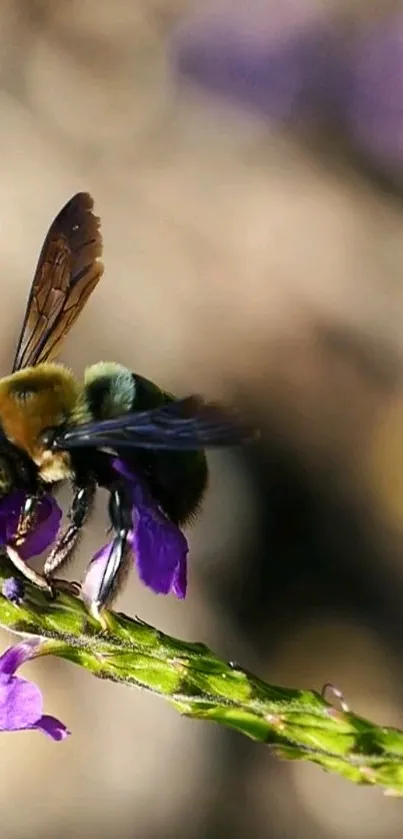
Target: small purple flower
[[43, 534], [20, 700], [13, 590], [159, 547]]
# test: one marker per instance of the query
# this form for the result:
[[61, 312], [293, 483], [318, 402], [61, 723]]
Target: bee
[[54, 428]]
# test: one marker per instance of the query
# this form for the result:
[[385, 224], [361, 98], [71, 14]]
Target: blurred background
[[246, 159]]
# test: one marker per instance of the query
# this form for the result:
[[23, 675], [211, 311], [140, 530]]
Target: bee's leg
[[68, 541], [26, 570], [118, 562], [27, 517], [26, 522]]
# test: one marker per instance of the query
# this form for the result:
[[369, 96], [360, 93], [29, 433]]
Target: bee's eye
[[47, 437]]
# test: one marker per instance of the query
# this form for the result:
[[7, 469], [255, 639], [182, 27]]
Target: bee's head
[[32, 400]]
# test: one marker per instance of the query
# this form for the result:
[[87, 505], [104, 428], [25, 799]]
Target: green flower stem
[[297, 724]]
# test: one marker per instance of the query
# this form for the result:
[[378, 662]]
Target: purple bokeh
[[292, 63], [374, 99], [276, 58]]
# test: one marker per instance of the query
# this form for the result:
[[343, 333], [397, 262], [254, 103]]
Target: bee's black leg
[[67, 542], [118, 561], [27, 518], [26, 570], [26, 521]]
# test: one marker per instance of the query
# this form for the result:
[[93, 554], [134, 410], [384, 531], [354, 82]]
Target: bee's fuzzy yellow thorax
[[34, 399]]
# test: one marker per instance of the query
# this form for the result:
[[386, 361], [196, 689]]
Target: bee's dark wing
[[67, 272], [184, 424]]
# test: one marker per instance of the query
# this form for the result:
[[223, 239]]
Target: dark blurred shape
[[312, 554], [312, 561], [377, 362]]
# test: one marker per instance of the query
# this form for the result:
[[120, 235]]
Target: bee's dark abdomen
[[177, 479]]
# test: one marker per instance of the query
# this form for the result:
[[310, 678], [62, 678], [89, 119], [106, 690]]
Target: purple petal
[[46, 527], [15, 656], [92, 580], [10, 509], [20, 704], [13, 590], [160, 550], [52, 727], [45, 531], [159, 546], [180, 583], [140, 493], [123, 469], [20, 700]]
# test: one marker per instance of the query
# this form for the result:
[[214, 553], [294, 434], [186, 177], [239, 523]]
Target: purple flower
[[13, 590], [20, 700], [159, 547], [43, 534]]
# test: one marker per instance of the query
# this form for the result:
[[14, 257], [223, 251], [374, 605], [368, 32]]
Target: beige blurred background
[[252, 263]]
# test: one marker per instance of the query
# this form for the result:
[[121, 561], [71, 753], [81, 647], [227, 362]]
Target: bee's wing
[[67, 272], [184, 424]]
